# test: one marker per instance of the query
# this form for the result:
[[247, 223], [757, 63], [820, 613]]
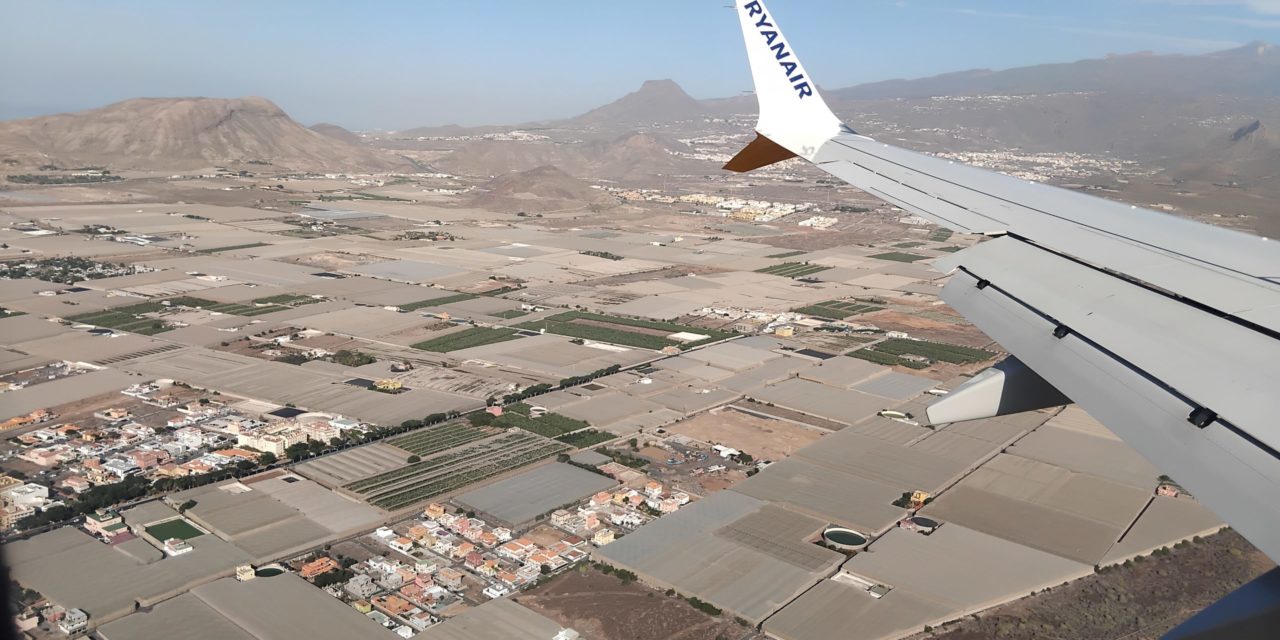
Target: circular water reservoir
[[843, 538], [924, 523]]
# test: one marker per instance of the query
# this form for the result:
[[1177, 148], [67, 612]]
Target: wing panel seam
[[1143, 373]]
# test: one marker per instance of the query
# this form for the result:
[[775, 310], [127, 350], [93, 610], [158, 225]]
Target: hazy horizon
[[399, 65]]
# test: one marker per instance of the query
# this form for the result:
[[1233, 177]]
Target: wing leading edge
[[1165, 329]]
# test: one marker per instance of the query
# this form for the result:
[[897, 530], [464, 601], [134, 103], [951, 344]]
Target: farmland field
[[585, 439], [642, 334], [509, 314], [789, 254], [233, 308], [251, 245], [837, 309], [473, 337], [551, 425], [887, 359], [457, 297], [793, 269], [954, 354], [941, 234], [128, 318], [455, 469], [875, 356], [898, 256], [425, 442], [289, 299], [908, 245]]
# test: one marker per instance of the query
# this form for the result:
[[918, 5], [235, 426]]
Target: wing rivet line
[[1061, 331], [1202, 417]]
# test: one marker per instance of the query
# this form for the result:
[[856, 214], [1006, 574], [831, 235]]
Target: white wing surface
[[1164, 329]]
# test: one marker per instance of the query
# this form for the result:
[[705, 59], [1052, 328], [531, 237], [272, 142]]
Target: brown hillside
[[336, 132], [630, 157], [183, 133], [1249, 156], [540, 190]]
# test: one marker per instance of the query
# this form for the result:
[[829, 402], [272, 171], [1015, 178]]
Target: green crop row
[[466, 339], [952, 353], [436, 302]]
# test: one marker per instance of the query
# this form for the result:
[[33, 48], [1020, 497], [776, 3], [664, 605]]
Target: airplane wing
[[1164, 329]]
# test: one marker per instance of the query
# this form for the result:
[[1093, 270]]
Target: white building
[[27, 495], [73, 621]]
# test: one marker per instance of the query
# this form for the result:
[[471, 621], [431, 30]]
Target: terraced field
[[473, 337], [837, 309], [429, 440], [793, 269], [455, 469], [643, 334]]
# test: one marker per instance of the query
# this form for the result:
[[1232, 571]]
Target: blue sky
[[383, 64]]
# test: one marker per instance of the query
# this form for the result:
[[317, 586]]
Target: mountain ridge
[[182, 133]]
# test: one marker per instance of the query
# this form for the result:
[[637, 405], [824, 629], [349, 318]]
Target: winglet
[[793, 115], [762, 152]]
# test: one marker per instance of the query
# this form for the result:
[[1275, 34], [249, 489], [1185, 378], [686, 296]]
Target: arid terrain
[[765, 439], [1140, 600], [606, 608]]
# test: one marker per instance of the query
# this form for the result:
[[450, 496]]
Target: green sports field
[[178, 528]]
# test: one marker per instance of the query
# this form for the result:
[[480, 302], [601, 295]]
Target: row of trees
[[105, 496], [521, 396], [598, 373]]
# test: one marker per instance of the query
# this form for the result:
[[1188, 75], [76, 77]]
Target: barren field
[[645, 276], [1138, 602], [832, 342], [962, 333], [866, 231], [787, 414], [708, 484], [544, 535], [603, 608], [333, 261], [329, 343], [762, 438]]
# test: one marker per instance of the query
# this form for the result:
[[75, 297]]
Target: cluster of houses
[[70, 621], [624, 509], [492, 554], [431, 560], [204, 436], [739, 208], [430, 557]]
